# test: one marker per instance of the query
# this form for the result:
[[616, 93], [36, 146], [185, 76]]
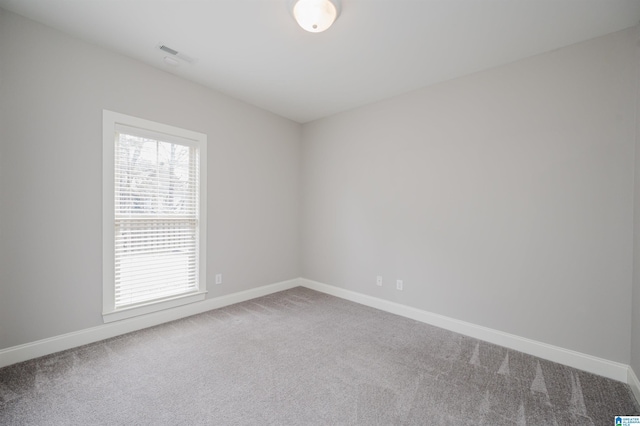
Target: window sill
[[148, 308]]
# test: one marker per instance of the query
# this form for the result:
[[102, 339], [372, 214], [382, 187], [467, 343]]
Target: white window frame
[[110, 121]]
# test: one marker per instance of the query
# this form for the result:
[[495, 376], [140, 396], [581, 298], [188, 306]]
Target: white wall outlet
[[218, 278], [399, 284], [379, 281]]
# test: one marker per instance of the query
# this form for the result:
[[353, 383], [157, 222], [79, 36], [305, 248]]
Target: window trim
[[110, 122]]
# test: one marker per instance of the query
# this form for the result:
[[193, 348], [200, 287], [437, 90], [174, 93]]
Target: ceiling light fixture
[[315, 16]]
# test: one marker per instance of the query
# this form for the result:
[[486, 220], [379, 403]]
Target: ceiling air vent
[[175, 53], [169, 50]]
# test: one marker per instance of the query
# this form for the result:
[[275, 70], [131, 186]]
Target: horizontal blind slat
[[155, 284], [137, 271]]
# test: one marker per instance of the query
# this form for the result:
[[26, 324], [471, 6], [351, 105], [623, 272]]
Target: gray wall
[[53, 89], [635, 327], [3, 252], [504, 198]]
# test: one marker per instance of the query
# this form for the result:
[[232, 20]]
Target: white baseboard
[[600, 366], [634, 384], [50, 345]]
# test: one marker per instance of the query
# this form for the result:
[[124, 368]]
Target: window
[[154, 226]]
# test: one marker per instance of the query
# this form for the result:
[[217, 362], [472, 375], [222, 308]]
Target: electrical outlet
[[379, 281], [218, 278], [399, 284]]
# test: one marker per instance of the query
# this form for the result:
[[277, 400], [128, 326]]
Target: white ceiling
[[253, 49]]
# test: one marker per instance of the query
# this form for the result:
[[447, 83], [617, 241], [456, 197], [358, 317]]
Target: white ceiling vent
[[174, 53]]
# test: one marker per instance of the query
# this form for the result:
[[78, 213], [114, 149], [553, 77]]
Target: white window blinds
[[156, 220]]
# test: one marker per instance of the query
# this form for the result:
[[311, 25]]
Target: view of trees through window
[[152, 177]]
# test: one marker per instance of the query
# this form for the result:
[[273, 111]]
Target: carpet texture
[[300, 357]]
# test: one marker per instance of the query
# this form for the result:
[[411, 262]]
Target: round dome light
[[315, 15]]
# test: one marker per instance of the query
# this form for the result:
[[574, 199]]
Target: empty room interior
[[377, 212]]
